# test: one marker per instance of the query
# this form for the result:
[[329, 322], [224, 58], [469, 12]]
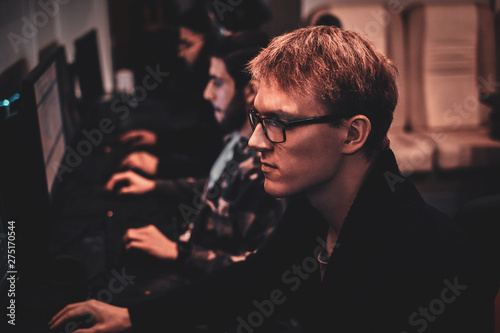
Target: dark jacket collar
[[385, 203]]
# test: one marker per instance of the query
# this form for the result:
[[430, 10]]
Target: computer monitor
[[44, 137], [51, 123], [88, 68]]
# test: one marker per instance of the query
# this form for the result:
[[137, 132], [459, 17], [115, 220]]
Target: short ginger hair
[[341, 70]]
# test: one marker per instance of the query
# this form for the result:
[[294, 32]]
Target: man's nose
[[207, 93], [258, 140]]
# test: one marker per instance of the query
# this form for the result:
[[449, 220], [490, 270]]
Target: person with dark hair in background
[[358, 249], [197, 36]]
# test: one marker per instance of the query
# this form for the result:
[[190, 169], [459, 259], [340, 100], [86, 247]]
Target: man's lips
[[267, 166]]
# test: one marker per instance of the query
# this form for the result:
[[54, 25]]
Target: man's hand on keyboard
[[151, 240], [139, 138], [107, 318], [141, 160], [129, 182]]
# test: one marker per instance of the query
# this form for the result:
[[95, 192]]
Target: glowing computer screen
[[51, 123]]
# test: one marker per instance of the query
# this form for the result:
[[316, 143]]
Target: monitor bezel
[[37, 179]]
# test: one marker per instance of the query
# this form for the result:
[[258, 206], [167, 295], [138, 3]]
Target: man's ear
[[358, 129], [249, 92]]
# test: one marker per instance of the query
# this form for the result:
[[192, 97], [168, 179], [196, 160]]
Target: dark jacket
[[399, 266]]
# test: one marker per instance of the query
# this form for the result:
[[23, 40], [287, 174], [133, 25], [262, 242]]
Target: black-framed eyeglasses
[[275, 129]]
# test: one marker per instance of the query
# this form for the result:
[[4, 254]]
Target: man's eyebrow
[[213, 77], [283, 115]]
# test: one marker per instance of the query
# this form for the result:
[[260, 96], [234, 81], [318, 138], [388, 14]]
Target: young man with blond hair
[[358, 249]]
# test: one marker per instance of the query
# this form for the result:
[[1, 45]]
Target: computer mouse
[[119, 185]]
